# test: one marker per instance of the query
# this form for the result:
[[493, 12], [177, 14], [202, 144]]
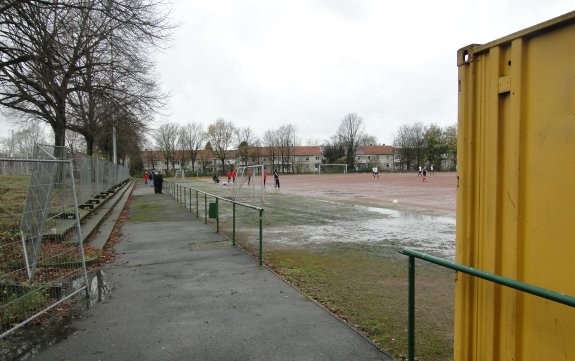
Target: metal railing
[[521, 286], [184, 194]]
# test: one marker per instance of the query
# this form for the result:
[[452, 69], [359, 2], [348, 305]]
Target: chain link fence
[[42, 200]]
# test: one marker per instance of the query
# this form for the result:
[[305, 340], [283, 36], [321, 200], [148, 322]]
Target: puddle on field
[[423, 232]]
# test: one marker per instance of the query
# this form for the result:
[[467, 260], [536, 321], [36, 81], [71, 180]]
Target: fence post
[[411, 311], [190, 200], [234, 224], [205, 208], [197, 205], [261, 235], [218, 216]]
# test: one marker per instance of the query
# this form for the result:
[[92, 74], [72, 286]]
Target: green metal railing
[[521, 286], [180, 193]]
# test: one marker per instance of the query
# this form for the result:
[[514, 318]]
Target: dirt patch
[[436, 195]]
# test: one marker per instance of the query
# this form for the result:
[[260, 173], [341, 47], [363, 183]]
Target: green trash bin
[[213, 210]]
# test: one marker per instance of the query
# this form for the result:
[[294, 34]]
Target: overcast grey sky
[[266, 63]]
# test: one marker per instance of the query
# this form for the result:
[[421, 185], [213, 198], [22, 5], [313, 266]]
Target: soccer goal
[[179, 174], [332, 169], [249, 184]]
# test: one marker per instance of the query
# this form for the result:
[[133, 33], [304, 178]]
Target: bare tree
[[191, 140], [53, 50], [286, 143], [23, 140], [403, 141], [350, 134], [127, 136], [271, 142], [221, 134], [410, 140], [166, 138], [246, 140], [75, 142]]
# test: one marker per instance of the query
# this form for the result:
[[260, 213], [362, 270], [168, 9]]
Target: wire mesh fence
[[42, 258]]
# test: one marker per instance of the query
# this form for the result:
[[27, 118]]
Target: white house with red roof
[[380, 156]]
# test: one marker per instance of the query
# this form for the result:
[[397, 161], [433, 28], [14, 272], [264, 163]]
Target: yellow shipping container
[[516, 193]]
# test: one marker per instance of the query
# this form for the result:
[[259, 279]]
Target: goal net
[[179, 174], [249, 184], [332, 169]]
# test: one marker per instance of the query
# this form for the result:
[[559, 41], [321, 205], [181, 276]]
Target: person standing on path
[[229, 176], [234, 175], [277, 179], [265, 176], [158, 182]]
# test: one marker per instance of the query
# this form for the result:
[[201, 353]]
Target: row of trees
[[183, 144], [350, 136], [417, 144], [82, 66], [420, 145], [221, 137]]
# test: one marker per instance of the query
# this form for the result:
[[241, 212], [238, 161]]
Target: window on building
[[316, 158], [306, 158]]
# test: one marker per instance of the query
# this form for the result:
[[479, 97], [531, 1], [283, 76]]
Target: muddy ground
[[435, 195]]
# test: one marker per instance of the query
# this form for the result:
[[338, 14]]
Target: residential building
[[380, 156]]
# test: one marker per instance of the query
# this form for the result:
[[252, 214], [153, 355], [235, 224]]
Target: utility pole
[[12, 145], [114, 144]]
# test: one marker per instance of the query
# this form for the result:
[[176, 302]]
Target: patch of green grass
[[367, 287], [18, 306], [143, 210]]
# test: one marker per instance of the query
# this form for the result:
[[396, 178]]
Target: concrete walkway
[[181, 292]]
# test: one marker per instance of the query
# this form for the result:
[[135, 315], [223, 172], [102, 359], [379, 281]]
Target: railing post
[[197, 204], [218, 216], [411, 311], [261, 235], [190, 200], [205, 208], [234, 224]]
